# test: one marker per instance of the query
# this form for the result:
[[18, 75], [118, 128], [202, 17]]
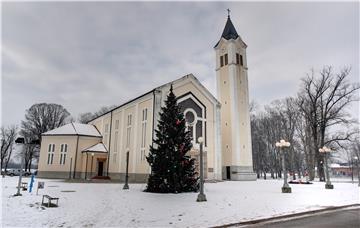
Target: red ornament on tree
[[178, 122], [181, 148]]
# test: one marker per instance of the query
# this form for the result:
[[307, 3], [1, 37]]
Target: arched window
[[195, 116]]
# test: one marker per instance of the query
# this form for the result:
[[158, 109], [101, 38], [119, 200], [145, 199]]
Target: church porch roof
[[97, 148]]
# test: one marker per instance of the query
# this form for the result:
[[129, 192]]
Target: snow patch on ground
[[106, 204]]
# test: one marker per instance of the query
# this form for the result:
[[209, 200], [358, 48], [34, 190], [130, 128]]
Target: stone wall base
[[238, 173], [133, 177]]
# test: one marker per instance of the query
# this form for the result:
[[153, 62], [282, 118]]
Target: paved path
[[341, 218]]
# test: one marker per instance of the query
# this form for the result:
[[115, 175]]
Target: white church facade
[[100, 147]]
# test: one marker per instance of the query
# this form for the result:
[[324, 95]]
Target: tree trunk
[[6, 164], [30, 162]]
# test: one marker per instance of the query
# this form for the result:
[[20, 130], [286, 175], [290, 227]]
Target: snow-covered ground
[[99, 204]]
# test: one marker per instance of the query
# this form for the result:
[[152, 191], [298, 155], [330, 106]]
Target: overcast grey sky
[[87, 55]]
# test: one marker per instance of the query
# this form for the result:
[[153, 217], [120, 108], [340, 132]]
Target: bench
[[49, 198], [24, 186]]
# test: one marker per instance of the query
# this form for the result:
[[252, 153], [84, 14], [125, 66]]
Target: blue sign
[[31, 182]]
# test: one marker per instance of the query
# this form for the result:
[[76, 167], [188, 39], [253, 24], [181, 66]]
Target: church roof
[[153, 90], [229, 31], [75, 129]]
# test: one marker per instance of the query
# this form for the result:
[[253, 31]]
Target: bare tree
[[304, 136], [40, 118], [43, 117], [88, 116], [32, 149], [323, 101], [85, 117], [8, 135]]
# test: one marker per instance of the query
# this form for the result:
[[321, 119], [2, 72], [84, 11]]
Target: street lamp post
[[201, 197], [286, 188], [126, 185], [324, 150], [357, 168], [92, 161], [20, 141]]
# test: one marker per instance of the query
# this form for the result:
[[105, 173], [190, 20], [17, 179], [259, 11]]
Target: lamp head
[[92, 154], [200, 140]]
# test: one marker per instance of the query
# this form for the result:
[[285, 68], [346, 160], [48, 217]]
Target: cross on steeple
[[228, 12]]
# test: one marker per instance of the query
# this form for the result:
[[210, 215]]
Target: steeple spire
[[229, 30]]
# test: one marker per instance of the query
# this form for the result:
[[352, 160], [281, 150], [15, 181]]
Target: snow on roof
[[100, 148], [75, 129]]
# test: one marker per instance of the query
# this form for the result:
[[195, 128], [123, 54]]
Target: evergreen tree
[[172, 170]]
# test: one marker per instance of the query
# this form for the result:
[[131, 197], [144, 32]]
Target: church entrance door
[[100, 168], [228, 175]]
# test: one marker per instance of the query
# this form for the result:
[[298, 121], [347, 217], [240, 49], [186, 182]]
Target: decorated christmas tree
[[172, 168]]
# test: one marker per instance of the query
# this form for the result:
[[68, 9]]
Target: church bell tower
[[233, 93]]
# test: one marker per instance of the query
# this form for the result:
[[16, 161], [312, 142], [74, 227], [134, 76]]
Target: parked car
[[16, 172]]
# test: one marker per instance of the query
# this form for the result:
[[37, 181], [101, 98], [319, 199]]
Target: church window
[[116, 124], [224, 82], [192, 123], [143, 134], [190, 118], [114, 157], [128, 131], [51, 151], [116, 141], [237, 58], [63, 150], [241, 61], [226, 59], [195, 116], [221, 61]]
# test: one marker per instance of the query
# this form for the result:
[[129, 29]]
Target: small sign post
[[40, 185], [31, 183]]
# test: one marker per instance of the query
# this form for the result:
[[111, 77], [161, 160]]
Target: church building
[[100, 148]]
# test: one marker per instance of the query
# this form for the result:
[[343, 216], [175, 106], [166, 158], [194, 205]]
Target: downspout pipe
[[153, 122], [76, 152], [108, 160]]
